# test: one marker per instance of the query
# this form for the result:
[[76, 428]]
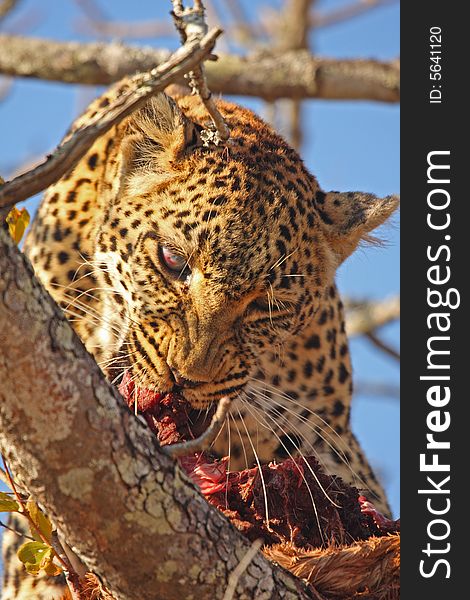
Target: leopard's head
[[214, 254]]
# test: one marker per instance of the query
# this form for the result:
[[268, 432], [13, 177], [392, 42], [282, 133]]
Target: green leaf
[[37, 556], [34, 555], [17, 221], [7, 504], [40, 520]]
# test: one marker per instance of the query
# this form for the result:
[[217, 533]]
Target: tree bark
[[125, 507], [291, 74]]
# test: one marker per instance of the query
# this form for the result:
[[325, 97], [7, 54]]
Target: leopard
[[209, 268]]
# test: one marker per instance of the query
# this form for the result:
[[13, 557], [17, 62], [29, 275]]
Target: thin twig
[[203, 441], [71, 576], [379, 343], [119, 29], [247, 33], [377, 389], [139, 89], [191, 25], [4, 476], [18, 533], [242, 566], [25, 511], [355, 9], [99, 22], [12, 486]]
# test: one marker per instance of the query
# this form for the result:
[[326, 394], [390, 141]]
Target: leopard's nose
[[182, 381]]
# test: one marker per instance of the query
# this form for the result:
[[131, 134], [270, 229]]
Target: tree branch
[[347, 12], [191, 24], [99, 472], [378, 342], [292, 33], [6, 6], [363, 317], [293, 26], [140, 88], [98, 21], [377, 389], [294, 74]]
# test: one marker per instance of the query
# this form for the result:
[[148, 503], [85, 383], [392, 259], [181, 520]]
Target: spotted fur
[[254, 315]]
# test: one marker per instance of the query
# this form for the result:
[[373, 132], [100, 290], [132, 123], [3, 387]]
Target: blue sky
[[348, 145]]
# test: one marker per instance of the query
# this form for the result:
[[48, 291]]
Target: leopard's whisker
[[282, 259], [315, 428], [268, 402], [259, 469], [87, 317], [108, 290], [275, 391], [109, 361], [266, 405], [286, 434], [186, 264], [270, 308], [227, 424], [88, 309], [218, 434], [245, 455], [92, 319], [314, 506]]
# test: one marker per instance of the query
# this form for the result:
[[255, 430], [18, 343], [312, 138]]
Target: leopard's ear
[[157, 137], [349, 217]]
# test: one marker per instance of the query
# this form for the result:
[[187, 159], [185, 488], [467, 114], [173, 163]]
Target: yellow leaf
[[40, 520], [17, 221], [7, 504], [52, 569], [37, 556]]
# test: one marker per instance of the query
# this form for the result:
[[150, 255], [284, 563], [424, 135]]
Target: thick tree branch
[[294, 74], [99, 472], [139, 89]]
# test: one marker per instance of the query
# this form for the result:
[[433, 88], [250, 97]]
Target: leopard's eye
[[174, 262]]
